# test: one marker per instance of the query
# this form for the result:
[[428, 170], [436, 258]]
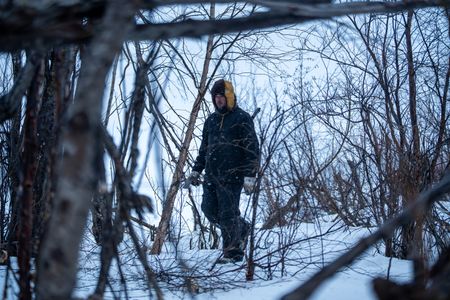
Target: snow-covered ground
[[306, 248]]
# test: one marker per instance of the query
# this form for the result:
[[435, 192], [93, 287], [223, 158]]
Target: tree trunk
[[416, 248], [58, 74], [30, 152], [164, 223], [77, 173], [24, 76]]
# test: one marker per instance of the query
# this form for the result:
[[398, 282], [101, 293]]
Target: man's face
[[220, 100]]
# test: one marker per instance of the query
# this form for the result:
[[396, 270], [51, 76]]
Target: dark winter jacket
[[229, 149]]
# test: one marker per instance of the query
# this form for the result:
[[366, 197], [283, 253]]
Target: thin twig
[[419, 207]]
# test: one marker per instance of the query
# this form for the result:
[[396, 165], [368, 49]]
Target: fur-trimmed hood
[[225, 88]]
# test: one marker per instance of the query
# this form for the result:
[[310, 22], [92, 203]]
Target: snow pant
[[220, 205]]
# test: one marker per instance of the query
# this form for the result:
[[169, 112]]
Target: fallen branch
[[419, 207]]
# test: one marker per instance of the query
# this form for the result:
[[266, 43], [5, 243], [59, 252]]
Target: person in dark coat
[[229, 155]]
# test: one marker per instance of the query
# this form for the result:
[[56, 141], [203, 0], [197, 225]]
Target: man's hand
[[249, 184], [194, 178]]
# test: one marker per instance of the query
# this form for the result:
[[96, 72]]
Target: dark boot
[[231, 235], [231, 254], [227, 260]]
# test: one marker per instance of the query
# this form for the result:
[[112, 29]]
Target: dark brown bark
[[77, 173], [57, 74], [30, 152]]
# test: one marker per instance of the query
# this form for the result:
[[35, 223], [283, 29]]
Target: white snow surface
[[311, 247]]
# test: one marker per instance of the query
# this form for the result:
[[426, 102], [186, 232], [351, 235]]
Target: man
[[229, 154]]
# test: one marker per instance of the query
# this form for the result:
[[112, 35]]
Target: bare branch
[[10, 102], [59, 24], [419, 207]]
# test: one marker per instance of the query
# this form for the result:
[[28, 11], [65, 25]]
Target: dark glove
[[249, 184]]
